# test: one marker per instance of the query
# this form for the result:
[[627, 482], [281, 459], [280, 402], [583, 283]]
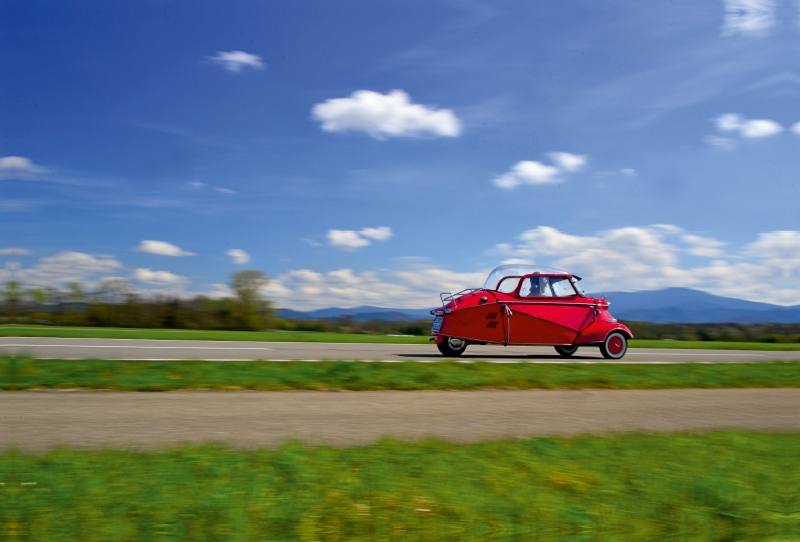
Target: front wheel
[[615, 346], [451, 347], [566, 351]]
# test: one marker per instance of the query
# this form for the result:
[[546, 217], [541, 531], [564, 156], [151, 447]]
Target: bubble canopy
[[518, 270]]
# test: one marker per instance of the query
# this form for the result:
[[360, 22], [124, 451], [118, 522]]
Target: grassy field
[[718, 486], [715, 345], [202, 335], [25, 373], [286, 336]]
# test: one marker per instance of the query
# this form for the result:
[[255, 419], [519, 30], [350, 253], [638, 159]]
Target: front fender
[[597, 332]]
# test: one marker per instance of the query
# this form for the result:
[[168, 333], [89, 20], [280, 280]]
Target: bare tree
[[247, 284], [12, 291], [253, 311], [38, 296], [76, 292], [114, 290]]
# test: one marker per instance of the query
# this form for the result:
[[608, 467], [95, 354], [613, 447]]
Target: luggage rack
[[447, 297]]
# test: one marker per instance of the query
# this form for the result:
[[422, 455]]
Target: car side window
[[535, 287], [561, 287], [508, 285], [546, 287]]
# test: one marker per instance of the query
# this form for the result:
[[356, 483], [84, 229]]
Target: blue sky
[[380, 152]]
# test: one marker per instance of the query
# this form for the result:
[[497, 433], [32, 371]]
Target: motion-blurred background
[[282, 190]]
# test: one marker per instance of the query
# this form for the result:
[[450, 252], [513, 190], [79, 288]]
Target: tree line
[[113, 303]]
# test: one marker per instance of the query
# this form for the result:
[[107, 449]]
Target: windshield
[[517, 270], [577, 286]]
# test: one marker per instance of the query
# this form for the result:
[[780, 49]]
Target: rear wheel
[[566, 351], [615, 346], [451, 347]]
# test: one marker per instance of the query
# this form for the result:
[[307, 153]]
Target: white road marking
[[631, 352], [215, 341], [407, 352], [695, 353], [264, 348]]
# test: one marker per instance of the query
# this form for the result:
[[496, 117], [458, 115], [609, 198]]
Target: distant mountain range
[[686, 306], [676, 305], [359, 313]]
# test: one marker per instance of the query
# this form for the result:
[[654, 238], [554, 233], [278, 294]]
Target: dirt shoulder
[[39, 420]]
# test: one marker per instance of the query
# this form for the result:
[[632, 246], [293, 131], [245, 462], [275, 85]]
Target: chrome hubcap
[[455, 344]]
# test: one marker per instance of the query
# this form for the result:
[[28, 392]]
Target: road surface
[[136, 349], [39, 420]]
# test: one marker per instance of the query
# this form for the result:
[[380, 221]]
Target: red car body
[[528, 305]]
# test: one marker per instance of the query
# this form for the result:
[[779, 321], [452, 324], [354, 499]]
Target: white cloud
[[567, 161], [385, 115], [211, 291], [623, 259], [378, 234], [219, 291], [66, 267], [755, 128], [353, 240], [648, 258], [238, 256], [346, 239], [311, 242], [728, 122], [628, 172], [760, 128], [532, 172], [305, 289], [162, 248], [775, 244], [226, 191], [721, 143], [796, 128], [159, 278], [779, 250], [236, 61], [748, 17], [703, 246], [14, 251], [18, 167], [527, 172]]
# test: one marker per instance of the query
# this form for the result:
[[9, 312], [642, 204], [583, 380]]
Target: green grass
[[9, 330], [25, 373], [718, 486], [201, 335]]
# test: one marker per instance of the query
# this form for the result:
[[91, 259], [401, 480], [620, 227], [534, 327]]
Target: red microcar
[[528, 305]]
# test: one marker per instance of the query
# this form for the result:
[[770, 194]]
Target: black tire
[[451, 347], [615, 346], [566, 351]]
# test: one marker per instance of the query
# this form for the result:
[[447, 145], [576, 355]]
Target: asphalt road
[[39, 420], [135, 349]]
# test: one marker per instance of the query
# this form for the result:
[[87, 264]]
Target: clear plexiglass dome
[[518, 270]]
